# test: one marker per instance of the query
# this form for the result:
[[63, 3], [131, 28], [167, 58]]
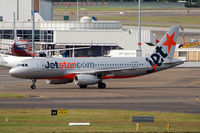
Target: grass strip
[[40, 120], [12, 96]]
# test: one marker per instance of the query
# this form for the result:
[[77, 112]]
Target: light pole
[[139, 51], [17, 10], [33, 28], [14, 26], [77, 13]]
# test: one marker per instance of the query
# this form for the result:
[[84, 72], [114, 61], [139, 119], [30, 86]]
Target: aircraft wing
[[110, 71]]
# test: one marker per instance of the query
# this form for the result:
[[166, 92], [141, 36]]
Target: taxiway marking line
[[197, 99], [2, 87], [193, 83]]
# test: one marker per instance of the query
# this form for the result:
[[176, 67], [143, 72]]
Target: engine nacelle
[[58, 81], [86, 79]]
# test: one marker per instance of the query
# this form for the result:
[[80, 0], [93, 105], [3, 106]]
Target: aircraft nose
[[14, 72], [21, 72]]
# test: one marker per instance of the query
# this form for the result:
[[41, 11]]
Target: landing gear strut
[[101, 85], [33, 86]]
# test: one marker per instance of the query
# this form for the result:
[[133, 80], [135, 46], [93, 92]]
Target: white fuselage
[[64, 68]]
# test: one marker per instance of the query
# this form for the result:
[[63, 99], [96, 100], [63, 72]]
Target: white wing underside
[[110, 71]]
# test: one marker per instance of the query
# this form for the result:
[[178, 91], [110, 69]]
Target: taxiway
[[173, 90]]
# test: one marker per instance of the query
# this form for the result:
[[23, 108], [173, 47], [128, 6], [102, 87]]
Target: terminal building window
[[40, 35], [6, 34]]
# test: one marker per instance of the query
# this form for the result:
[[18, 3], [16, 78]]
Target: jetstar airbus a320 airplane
[[92, 70]]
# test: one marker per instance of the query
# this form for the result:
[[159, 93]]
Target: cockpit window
[[22, 65]]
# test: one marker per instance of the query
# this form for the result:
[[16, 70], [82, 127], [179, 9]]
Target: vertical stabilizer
[[168, 42], [165, 48]]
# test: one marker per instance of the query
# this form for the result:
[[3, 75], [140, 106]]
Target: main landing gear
[[83, 86], [101, 85], [33, 86]]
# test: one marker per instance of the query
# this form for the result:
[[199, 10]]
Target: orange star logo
[[154, 67], [170, 42]]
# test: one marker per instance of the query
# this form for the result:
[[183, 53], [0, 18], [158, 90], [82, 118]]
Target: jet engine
[[86, 79], [58, 81]]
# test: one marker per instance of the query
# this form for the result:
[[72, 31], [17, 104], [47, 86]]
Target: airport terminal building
[[99, 36]]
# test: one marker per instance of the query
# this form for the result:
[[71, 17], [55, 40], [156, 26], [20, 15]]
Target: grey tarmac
[[173, 90]]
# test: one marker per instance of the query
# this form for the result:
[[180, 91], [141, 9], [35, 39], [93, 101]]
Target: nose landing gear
[[33, 86]]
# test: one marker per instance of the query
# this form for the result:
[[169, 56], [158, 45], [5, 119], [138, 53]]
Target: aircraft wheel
[[33, 87], [83, 86], [102, 85]]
